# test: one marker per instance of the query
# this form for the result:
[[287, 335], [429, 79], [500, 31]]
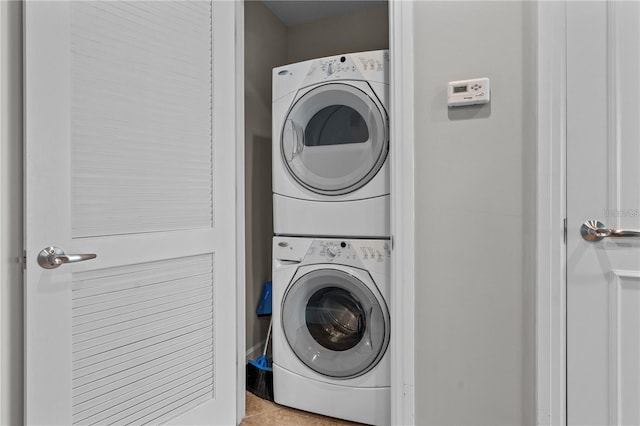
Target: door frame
[[550, 344], [11, 246], [402, 304], [241, 283]]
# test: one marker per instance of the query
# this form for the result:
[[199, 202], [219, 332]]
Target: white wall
[[474, 188], [265, 48], [11, 212]]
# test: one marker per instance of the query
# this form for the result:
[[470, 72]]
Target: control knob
[[330, 69], [332, 251]]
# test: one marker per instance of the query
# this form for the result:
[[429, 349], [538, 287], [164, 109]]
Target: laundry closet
[[279, 33]]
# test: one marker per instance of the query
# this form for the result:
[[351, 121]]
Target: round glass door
[[334, 323], [335, 139]]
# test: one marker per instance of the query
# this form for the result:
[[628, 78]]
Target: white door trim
[[240, 211], [11, 233], [551, 211], [401, 148], [3, 113]]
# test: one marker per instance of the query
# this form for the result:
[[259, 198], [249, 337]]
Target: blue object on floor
[[262, 362], [264, 305], [260, 374]]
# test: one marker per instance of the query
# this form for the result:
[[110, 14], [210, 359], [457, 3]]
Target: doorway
[[279, 33]]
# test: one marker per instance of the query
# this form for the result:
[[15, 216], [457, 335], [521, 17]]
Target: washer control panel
[[367, 254]]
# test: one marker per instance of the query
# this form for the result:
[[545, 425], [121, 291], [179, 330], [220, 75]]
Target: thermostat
[[468, 92]]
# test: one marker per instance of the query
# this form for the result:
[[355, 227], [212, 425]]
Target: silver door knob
[[52, 257], [594, 230]]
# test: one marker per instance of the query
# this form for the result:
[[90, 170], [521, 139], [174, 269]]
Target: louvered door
[[130, 155]]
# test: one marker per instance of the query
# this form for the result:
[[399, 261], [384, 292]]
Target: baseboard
[[255, 351]]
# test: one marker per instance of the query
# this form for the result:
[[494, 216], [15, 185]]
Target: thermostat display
[[468, 92]]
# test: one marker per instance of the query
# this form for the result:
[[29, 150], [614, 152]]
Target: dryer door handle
[[292, 140]]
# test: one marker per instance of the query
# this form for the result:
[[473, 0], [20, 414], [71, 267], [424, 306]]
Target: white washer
[[330, 146], [331, 327]]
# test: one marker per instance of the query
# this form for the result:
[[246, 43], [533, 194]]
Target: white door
[[130, 155], [603, 178]]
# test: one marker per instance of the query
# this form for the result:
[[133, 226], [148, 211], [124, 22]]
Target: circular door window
[[334, 323], [335, 139]]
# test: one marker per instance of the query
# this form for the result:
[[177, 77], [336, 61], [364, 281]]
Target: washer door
[[335, 139], [334, 323]]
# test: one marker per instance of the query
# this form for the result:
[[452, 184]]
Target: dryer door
[[334, 323], [335, 138]]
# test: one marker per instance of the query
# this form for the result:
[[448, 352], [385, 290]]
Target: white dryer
[[331, 327], [330, 146]]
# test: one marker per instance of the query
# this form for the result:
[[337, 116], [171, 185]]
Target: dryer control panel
[[372, 66]]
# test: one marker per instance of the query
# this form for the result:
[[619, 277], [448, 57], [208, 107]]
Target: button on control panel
[[370, 64]]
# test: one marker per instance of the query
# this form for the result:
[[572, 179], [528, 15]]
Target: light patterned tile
[[256, 405], [266, 413]]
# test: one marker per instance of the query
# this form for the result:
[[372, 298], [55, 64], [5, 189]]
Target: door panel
[[129, 137], [141, 148], [603, 178]]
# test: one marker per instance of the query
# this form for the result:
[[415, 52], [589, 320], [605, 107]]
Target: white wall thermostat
[[468, 92]]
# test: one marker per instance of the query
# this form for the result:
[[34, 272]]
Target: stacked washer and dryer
[[331, 250]]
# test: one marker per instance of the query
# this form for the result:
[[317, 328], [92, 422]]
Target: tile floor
[[266, 413]]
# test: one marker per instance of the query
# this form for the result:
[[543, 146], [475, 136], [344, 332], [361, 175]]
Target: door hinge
[[23, 259], [565, 230]]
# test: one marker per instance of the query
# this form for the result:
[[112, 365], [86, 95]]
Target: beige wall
[[364, 29], [265, 48], [474, 196], [11, 212]]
